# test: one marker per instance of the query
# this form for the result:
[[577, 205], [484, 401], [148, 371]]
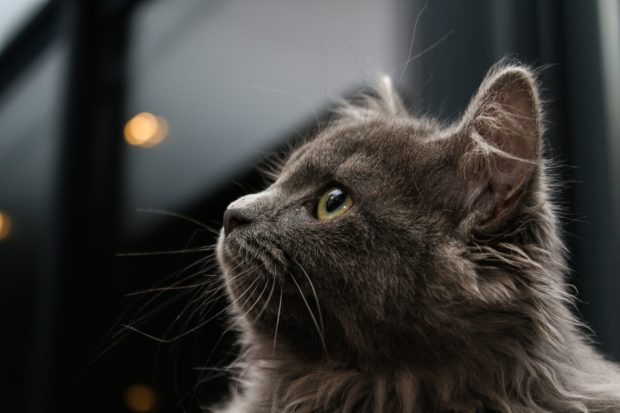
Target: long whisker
[[411, 44], [234, 324], [316, 298], [177, 337], [121, 333], [273, 287], [174, 215], [166, 252], [255, 302], [155, 297], [202, 378], [117, 337], [143, 333], [316, 324], [191, 330], [190, 304], [428, 49], [275, 335], [163, 289]]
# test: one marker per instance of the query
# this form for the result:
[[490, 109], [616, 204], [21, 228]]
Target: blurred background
[[127, 126]]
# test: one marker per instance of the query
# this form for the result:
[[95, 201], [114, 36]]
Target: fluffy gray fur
[[441, 290]]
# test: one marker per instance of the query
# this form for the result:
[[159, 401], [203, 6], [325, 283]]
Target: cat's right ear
[[499, 145]]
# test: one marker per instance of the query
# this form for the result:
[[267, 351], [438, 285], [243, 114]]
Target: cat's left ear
[[380, 102], [499, 140]]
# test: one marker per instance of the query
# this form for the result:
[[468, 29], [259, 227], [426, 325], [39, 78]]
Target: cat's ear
[[499, 139], [382, 101]]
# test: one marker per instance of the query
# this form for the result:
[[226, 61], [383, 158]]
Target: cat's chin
[[278, 305]]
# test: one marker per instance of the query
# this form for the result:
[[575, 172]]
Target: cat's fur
[[441, 290]]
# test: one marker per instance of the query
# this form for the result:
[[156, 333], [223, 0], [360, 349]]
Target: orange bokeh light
[[145, 130], [140, 398], [5, 225]]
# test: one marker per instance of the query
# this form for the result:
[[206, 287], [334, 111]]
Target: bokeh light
[[140, 398], [5, 225], [146, 130]]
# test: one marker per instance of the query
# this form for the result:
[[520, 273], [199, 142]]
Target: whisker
[[158, 294], [428, 49], [165, 252], [273, 287], [145, 334], [255, 302], [275, 335], [185, 333], [164, 289], [191, 303], [411, 44], [120, 333], [201, 378], [316, 298], [316, 324], [234, 324], [172, 339], [174, 215]]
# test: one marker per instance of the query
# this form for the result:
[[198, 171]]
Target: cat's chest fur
[[288, 385], [283, 386]]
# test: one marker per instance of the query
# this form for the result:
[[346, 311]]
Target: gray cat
[[400, 265]]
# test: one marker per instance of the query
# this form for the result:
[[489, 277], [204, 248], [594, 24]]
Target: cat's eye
[[334, 203]]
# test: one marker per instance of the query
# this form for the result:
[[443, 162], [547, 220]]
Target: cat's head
[[390, 238]]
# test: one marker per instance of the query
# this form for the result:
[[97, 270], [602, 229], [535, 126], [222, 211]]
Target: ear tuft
[[382, 101], [501, 140]]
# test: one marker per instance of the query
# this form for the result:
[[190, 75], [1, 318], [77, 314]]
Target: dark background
[[236, 81]]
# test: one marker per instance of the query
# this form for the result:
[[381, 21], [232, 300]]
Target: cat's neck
[[280, 381]]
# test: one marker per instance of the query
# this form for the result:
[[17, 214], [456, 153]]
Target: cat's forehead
[[368, 148]]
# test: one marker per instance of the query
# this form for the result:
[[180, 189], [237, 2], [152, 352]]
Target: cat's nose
[[234, 218]]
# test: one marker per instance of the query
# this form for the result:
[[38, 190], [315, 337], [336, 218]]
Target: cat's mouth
[[260, 276], [257, 254], [254, 267]]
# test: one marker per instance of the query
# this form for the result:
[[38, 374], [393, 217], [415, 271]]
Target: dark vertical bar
[[80, 290], [596, 259]]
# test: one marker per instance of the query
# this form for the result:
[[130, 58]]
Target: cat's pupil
[[335, 199]]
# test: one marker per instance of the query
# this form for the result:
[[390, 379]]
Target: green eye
[[334, 203]]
